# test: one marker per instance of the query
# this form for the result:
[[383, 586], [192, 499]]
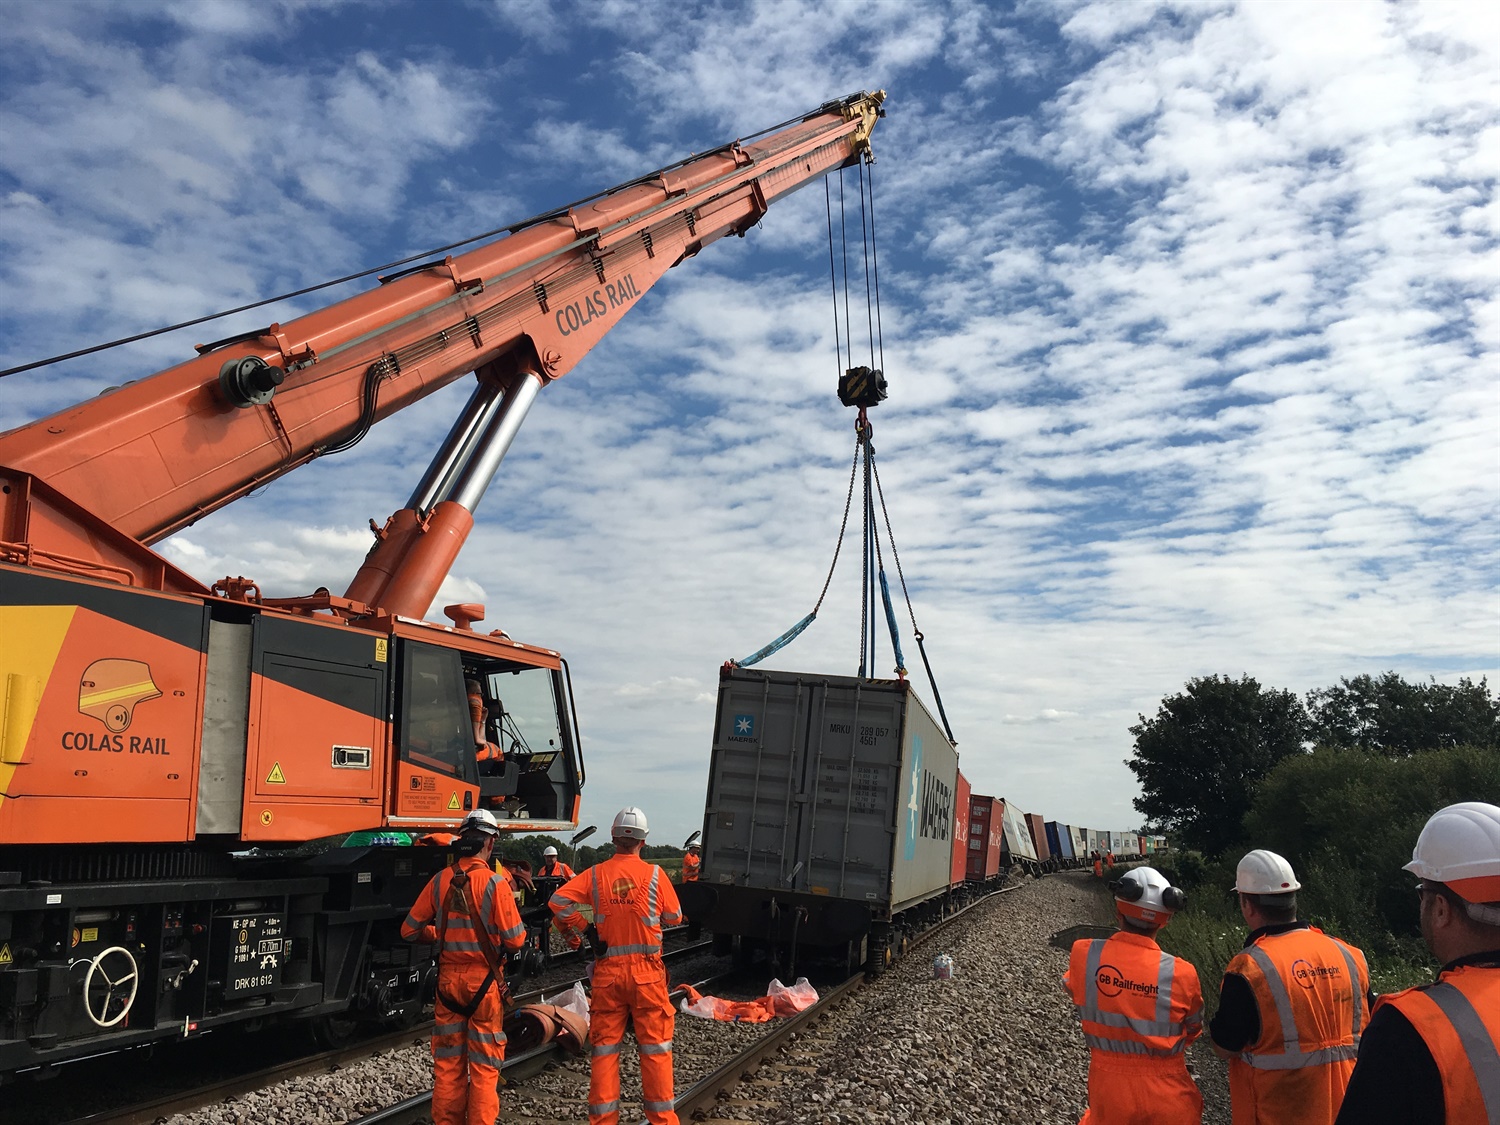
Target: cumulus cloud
[[1189, 310]]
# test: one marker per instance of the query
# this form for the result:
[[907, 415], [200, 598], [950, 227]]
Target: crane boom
[[149, 458]]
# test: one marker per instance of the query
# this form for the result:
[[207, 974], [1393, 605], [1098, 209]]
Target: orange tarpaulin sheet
[[778, 1001]]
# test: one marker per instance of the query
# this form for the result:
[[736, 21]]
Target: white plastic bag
[[574, 1000]]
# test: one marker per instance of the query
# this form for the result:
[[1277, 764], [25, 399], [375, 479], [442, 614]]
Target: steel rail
[[521, 1066], [702, 1094]]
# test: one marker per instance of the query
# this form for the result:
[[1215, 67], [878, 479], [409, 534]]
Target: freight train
[[838, 823]]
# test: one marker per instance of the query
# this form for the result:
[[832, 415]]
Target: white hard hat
[[1265, 873], [482, 821], [1460, 846], [1144, 894], [549, 851], [630, 822]]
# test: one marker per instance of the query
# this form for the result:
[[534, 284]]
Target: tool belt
[[461, 898]]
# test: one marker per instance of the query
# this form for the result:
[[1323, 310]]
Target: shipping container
[[830, 809], [958, 873], [1038, 829], [1080, 842], [1060, 841], [986, 838], [1018, 844]]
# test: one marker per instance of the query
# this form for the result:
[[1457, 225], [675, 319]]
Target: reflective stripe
[[1476, 1041], [1291, 1043], [462, 946], [1356, 990], [487, 899], [1091, 975], [655, 1048], [1140, 1027], [1131, 1047], [486, 1036], [1164, 973], [1295, 1060], [448, 1050], [658, 1107], [602, 1108], [653, 917], [513, 932], [562, 907], [594, 890], [605, 1049], [673, 919], [623, 950]]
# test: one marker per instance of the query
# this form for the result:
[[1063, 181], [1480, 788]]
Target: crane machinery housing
[[172, 752]]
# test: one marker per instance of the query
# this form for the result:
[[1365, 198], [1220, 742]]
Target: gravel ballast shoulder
[[997, 1043]]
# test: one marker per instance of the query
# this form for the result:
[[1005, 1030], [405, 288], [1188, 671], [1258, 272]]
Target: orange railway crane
[[164, 744]]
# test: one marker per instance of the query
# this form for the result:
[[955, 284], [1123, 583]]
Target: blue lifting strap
[[890, 621], [782, 641]]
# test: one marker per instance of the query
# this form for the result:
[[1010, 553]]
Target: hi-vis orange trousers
[[637, 991], [1138, 1090], [466, 1053]]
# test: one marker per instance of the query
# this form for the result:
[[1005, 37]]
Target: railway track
[[151, 1110], [737, 1083]]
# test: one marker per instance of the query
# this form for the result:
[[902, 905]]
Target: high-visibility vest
[[691, 866], [1135, 1002], [554, 869], [631, 901], [494, 903], [1458, 1018], [1310, 990]]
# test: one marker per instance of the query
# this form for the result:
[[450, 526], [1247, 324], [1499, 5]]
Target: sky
[[1189, 314]]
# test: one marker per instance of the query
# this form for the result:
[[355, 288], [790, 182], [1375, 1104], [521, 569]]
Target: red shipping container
[[1038, 828], [960, 829], [986, 835]]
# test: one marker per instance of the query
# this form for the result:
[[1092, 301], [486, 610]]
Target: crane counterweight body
[[176, 755]]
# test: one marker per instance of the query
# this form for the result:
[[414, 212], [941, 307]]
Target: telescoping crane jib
[[153, 727]]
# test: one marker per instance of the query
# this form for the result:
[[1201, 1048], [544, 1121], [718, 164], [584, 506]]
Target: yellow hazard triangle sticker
[[453, 801], [275, 777], [5, 954]]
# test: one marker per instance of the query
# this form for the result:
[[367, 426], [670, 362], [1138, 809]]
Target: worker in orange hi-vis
[[631, 900], [469, 913], [692, 863], [553, 868], [1140, 1008], [1292, 1005]]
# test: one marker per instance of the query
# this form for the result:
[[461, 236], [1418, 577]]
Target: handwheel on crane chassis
[[133, 978]]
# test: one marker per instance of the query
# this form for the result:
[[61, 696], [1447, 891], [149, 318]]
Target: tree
[[1347, 821], [1392, 717], [1199, 758]]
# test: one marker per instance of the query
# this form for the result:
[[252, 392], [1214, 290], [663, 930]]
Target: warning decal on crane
[[275, 777], [5, 955], [453, 800]]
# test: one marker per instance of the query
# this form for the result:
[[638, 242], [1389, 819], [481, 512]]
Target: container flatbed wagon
[[829, 818]]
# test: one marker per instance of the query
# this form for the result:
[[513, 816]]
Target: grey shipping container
[[1018, 835], [829, 810], [1080, 841]]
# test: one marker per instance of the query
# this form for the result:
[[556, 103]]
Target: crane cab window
[[435, 728], [520, 738]]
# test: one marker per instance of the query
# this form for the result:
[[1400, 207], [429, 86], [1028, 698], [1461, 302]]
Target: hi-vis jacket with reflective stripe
[[631, 900], [1310, 990], [1136, 1002], [496, 905], [1459, 1019]]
